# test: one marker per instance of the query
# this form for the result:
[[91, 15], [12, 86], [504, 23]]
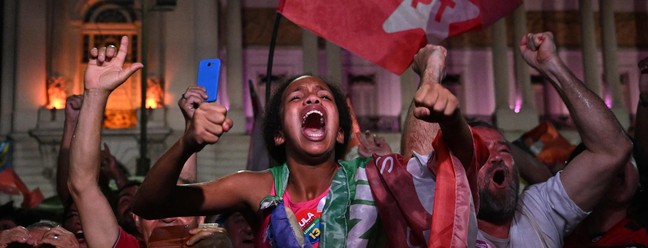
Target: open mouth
[[499, 176], [313, 124], [79, 236]]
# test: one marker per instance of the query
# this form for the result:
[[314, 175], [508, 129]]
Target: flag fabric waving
[[390, 32]]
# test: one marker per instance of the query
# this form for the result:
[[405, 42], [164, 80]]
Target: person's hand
[[59, 237], [208, 123], [538, 50], [105, 67], [17, 234], [432, 101], [190, 100], [372, 144], [73, 108], [209, 236]]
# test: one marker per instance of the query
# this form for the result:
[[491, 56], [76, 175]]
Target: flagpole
[[273, 43]]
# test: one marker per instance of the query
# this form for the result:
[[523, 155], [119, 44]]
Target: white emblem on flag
[[433, 16]]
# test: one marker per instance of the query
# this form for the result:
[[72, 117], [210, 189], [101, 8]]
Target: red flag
[[390, 32], [402, 193]]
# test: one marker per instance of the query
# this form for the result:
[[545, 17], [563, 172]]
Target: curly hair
[[272, 120]]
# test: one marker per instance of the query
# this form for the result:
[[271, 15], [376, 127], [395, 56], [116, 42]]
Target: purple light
[[518, 104]]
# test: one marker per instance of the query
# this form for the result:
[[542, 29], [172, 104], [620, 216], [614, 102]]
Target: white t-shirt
[[545, 215]]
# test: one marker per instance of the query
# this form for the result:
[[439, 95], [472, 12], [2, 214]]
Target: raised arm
[[104, 73], [587, 176], [72, 109], [159, 196], [532, 170], [188, 103], [433, 103], [417, 135]]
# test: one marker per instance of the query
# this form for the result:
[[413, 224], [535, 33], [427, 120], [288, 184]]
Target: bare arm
[[434, 103], [530, 168], [417, 135], [103, 75], [72, 109], [608, 148], [188, 103], [160, 196]]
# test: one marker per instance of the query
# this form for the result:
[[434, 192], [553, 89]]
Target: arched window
[[104, 24]]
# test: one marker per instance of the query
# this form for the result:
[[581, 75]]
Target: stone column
[[504, 115], [588, 39], [206, 23], [8, 67], [155, 44], [333, 63], [527, 117], [61, 60], [608, 33], [234, 64], [30, 63], [500, 66], [310, 52]]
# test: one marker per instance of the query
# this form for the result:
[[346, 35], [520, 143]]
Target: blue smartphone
[[208, 75]]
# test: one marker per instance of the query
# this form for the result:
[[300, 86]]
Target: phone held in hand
[[208, 76]]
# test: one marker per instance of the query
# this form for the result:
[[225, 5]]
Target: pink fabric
[[403, 216], [451, 201], [297, 206], [400, 207], [261, 240]]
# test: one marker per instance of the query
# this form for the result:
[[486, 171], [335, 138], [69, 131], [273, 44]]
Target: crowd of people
[[454, 183]]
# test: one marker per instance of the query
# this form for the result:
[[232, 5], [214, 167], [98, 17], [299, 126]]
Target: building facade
[[45, 43]]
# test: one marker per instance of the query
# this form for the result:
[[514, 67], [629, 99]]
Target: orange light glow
[[154, 93], [56, 93], [56, 103], [151, 103], [119, 119]]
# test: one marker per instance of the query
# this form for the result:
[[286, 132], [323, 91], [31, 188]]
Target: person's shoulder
[[252, 176]]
